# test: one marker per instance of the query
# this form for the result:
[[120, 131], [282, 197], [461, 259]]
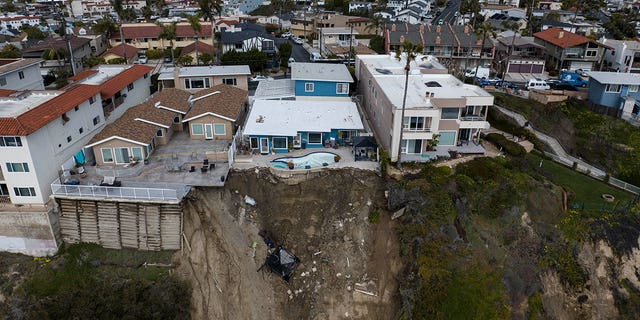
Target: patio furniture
[[193, 169], [110, 182], [205, 162], [204, 169]]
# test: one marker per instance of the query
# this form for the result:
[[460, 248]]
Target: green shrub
[[384, 161], [116, 61], [509, 147], [154, 54], [374, 216]]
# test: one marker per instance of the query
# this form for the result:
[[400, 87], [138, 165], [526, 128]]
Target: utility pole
[[351, 44], [124, 48], [71, 60]]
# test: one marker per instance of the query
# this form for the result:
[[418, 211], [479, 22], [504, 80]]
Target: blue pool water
[[312, 160]]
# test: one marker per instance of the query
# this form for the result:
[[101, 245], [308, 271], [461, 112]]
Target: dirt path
[[323, 221]]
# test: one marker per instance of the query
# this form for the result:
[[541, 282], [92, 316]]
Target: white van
[[538, 84]]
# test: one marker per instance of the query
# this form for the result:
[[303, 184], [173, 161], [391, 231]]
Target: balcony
[[104, 192], [473, 122]]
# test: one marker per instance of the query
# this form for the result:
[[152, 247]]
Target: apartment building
[[146, 35], [442, 114], [20, 74]]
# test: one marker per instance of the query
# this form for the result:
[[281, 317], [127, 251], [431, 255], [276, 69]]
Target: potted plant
[[273, 150], [291, 165], [336, 158]]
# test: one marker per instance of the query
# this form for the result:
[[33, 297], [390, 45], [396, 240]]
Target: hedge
[[507, 146]]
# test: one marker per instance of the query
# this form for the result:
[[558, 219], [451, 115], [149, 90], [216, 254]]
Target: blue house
[[278, 126], [321, 79], [616, 90]]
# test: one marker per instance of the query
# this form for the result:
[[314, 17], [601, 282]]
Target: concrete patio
[[245, 162], [443, 152]]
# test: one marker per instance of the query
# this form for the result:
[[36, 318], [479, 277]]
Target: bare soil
[[349, 266]]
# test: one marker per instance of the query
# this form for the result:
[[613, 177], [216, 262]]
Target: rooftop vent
[[383, 71], [426, 65], [432, 84], [260, 119]]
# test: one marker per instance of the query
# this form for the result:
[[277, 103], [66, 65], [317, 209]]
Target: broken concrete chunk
[[250, 201], [398, 213]]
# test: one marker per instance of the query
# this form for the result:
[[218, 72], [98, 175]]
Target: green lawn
[[588, 191]]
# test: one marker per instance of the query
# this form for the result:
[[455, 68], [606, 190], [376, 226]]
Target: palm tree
[[194, 21], [209, 9], [410, 51], [119, 9], [168, 32], [483, 30], [376, 22]]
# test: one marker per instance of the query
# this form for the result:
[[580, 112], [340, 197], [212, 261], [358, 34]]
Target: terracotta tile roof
[[6, 93], [127, 127], [36, 118], [227, 103], [82, 75], [202, 47], [173, 98], [568, 39], [129, 50], [149, 30], [123, 79], [227, 22]]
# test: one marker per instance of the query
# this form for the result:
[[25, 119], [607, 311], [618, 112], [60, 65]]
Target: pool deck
[[345, 153]]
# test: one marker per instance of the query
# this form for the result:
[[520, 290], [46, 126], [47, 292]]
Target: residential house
[[225, 24], [617, 91], [499, 20], [278, 126], [135, 135], [146, 35], [248, 39], [338, 41], [624, 55], [549, 5], [513, 3], [123, 52], [412, 15], [320, 81], [490, 10], [101, 8], [581, 27], [15, 22], [246, 6], [80, 47], [40, 130], [216, 112], [121, 86], [196, 49], [566, 50], [21, 74], [355, 6], [197, 78], [273, 19], [521, 57], [442, 114], [99, 42], [457, 47]]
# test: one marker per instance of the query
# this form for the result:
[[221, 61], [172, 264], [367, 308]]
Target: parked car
[[440, 21], [574, 79], [286, 35], [537, 84], [259, 78], [143, 59], [167, 60], [292, 60], [489, 82], [297, 40], [563, 86], [506, 84]]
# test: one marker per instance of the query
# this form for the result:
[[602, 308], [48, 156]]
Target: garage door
[[537, 68], [447, 138], [587, 66]]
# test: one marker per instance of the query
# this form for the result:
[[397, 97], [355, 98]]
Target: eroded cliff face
[[613, 281]]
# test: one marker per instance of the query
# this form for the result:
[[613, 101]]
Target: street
[[297, 51], [448, 13]]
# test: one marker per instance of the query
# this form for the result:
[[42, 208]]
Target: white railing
[[104, 192]]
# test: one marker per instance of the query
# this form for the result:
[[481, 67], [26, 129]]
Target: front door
[[208, 131], [264, 145]]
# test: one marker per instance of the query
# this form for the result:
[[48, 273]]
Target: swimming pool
[[312, 160]]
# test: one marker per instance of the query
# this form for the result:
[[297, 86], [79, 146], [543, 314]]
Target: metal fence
[[104, 192]]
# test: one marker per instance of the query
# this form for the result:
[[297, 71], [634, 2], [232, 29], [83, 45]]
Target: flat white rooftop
[[338, 30], [388, 64], [441, 85], [105, 72], [214, 71], [275, 89], [11, 107], [287, 118], [320, 72]]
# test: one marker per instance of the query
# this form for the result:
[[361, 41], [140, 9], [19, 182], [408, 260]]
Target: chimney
[[176, 75], [406, 26], [560, 34], [466, 29], [393, 27], [437, 39], [427, 94], [438, 29]]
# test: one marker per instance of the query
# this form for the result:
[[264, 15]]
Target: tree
[[9, 6], [620, 27], [410, 52], [168, 32], [377, 44], [105, 26], [285, 53], [255, 58], [377, 23], [206, 58], [33, 33], [194, 21], [209, 9], [10, 52], [91, 61], [484, 30], [147, 12]]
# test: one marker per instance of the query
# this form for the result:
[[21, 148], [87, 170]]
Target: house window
[[633, 88], [92, 100], [450, 113], [196, 129], [230, 81], [81, 130], [253, 143], [17, 167], [69, 138], [342, 88], [591, 53], [107, 155], [10, 142], [176, 119], [136, 152], [76, 108], [96, 120], [4, 191], [238, 45], [130, 86], [411, 146], [159, 133], [308, 87], [21, 75], [279, 143], [413, 123], [219, 129], [122, 155], [315, 137], [197, 83], [25, 192], [613, 88], [146, 75]]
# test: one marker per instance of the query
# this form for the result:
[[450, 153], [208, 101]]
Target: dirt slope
[[324, 221]]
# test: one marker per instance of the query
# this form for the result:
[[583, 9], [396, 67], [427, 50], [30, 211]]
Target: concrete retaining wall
[[29, 233]]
